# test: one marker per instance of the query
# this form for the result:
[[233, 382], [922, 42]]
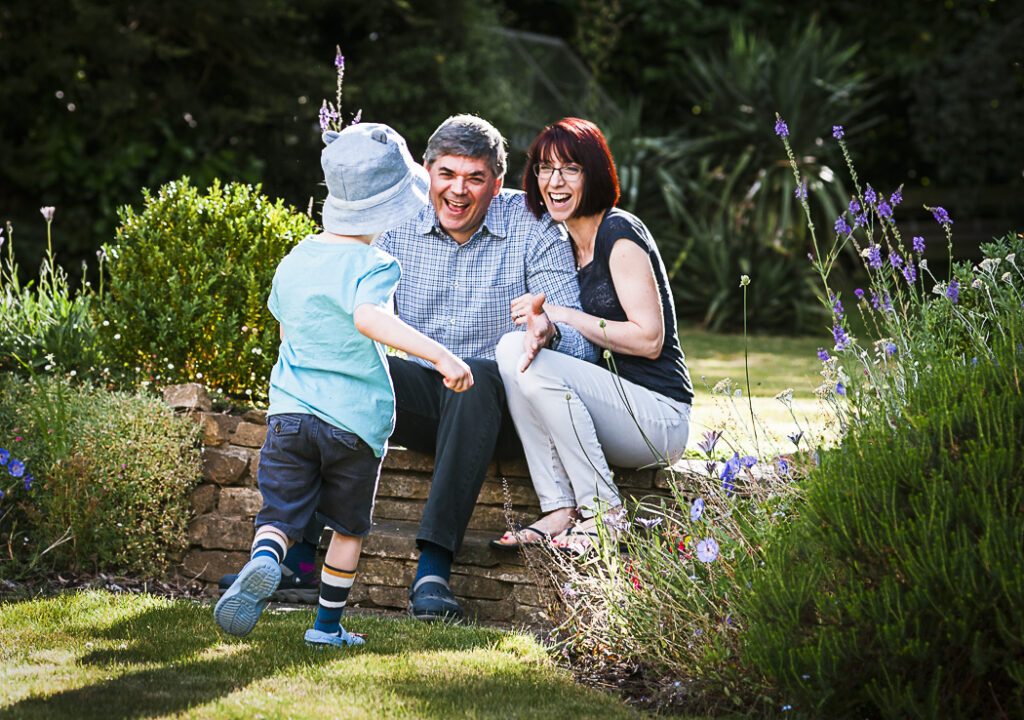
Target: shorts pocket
[[284, 425], [348, 439]]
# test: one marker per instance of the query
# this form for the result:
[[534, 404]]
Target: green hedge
[[188, 285]]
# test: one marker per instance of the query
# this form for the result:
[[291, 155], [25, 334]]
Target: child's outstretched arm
[[378, 324]]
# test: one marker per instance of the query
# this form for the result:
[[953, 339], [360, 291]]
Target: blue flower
[[795, 438], [729, 470], [895, 260], [696, 509], [16, 468], [707, 550], [890, 349], [28, 482], [860, 221], [783, 467], [884, 210], [897, 196], [801, 191], [941, 216], [875, 256], [841, 338], [840, 390], [859, 293], [837, 132], [4, 456], [910, 272], [842, 227], [837, 307], [1, 494], [953, 291], [823, 354], [918, 244], [854, 207], [870, 197], [781, 129], [748, 461]]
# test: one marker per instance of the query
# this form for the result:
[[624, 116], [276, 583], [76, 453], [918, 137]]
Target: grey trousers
[[574, 419]]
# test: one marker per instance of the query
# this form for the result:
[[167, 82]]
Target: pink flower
[[47, 212]]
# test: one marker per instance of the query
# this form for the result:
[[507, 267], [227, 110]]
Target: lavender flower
[[884, 210], [781, 129], [842, 227], [823, 354], [910, 272], [327, 115], [918, 243], [339, 60], [895, 260], [696, 509], [841, 338], [837, 306], [861, 220], [941, 216], [801, 191], [897, 196], [875, 257], [859, 293], [837, 132], [707, 550], [953, 291], [710, 440], [881, 302], [854, 206], [870, 197]]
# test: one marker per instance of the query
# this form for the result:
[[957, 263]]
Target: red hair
[[582, 142]]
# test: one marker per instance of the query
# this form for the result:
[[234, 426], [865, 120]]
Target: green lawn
[[776, 363], [98, 655]]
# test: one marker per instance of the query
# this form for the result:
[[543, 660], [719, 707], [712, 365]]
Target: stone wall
[[492, 585]]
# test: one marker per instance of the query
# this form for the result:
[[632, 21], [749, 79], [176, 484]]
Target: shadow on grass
[[170, 659]]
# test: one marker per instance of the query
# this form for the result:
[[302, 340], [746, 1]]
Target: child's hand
[[457, 375]]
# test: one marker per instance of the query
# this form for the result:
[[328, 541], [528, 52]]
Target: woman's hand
[[528, 310]]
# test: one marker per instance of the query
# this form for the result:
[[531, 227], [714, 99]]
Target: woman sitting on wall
[[573, 417]]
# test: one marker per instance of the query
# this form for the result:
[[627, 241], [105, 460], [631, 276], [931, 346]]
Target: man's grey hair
[[468, 136]]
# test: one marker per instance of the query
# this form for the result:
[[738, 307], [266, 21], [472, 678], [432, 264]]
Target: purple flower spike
[[841, 338], [859, 293], [884, 210], [837, 306], [339, 60], [918, 243], [895, 260], [875, 257], [910, 273], [953, 291], [801, 192], [941, 216], [823, 354], [842, 227], [854, 206], [897, 196], [870, 197], [861, 220], [781, 129], [837, 132]]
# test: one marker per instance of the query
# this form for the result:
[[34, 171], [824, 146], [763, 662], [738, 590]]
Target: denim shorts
[[308, 465]]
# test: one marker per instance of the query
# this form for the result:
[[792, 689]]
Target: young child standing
[[332, 406]]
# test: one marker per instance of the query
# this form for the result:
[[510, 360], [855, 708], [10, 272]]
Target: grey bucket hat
[[373, 184]]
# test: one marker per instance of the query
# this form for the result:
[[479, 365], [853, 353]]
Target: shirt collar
[[496, 221]]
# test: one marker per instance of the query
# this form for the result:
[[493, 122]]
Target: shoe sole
[[358, 641], [435, 617], [241, 605], [298, 596]]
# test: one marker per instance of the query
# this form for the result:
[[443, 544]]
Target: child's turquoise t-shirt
[[325, 367]]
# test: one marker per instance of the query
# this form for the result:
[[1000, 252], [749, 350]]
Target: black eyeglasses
[[569, 172]]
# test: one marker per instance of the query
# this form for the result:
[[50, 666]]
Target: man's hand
[[529, 310], [457, 375]]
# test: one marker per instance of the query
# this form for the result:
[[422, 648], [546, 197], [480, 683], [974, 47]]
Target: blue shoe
[[431, 599], [239, 608], [293, 588], [320, 639]]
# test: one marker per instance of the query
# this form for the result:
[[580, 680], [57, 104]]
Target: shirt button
[[455, 285], [453, 321]]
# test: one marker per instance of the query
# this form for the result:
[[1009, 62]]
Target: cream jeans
[[574, 419]]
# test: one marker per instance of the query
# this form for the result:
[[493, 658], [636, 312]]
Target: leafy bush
[[44, 322], [898, 592], [112, 472], [188, 283]]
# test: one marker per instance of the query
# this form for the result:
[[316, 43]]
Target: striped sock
[[334, 587], [270, 543]]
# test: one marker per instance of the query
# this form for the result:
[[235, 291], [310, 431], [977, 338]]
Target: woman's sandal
[[544, 538], [588, 538]]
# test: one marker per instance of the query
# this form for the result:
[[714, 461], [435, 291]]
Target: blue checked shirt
[[460, 295]]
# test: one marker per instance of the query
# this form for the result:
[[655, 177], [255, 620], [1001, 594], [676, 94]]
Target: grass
[[98, 655], [776, 363]]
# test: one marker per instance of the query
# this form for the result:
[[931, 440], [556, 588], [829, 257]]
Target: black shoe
[[294, 588], [431, 599]]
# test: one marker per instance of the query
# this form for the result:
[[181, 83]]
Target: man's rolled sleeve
[[551, 269]]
